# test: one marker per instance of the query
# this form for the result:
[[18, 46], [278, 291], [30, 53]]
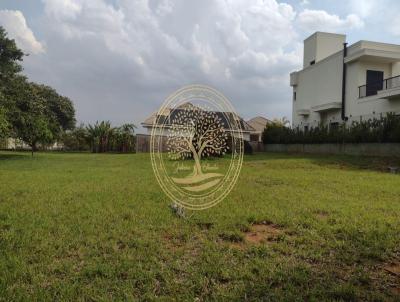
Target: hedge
[[383, 130]]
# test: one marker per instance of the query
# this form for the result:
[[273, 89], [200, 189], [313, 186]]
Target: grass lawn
[[98, 227]]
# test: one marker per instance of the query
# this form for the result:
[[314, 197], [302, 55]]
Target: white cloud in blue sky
[[119, 59]]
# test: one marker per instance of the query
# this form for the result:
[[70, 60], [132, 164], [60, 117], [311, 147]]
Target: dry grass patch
[[263, 232], [393, 268], [255, 235]]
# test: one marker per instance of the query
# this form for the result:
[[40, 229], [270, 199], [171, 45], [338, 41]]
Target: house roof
[[258, 123], [226, 117]]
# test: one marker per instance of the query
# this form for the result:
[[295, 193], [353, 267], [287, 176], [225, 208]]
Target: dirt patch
[[260, 233], [393, 268], [254, 235], [396, 290], [171, 243], [390, 271]]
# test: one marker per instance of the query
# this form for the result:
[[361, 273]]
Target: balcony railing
[[373, 88]]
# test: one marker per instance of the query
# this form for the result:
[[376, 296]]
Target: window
[[374, 82], [294, 95], [312, 62]]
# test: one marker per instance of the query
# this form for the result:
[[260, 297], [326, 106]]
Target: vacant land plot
[[98, 227]]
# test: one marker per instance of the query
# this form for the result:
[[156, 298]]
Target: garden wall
[[365, 149], [143, 143]]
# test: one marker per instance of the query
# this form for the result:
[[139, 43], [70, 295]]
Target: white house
[[345, 83], [258, 123]]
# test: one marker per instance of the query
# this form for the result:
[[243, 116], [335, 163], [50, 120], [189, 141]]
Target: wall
[[321, 45], [395, 69], [318, 84], [310, 50], [257, 146], [365, 149], [143, 143], [328, 44]]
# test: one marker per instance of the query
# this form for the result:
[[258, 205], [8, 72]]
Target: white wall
[[395, 69], [321, 45], [317, 85]]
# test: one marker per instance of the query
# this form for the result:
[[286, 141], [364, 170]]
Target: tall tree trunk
[[197, 164], [33, 148]]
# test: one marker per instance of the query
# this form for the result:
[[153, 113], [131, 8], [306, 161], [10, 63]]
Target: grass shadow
[[13, 156], [350, 162]]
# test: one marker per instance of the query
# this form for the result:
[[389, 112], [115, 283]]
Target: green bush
[[383, 130]]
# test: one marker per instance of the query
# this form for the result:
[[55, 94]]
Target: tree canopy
[[10, 56], [32, 112]]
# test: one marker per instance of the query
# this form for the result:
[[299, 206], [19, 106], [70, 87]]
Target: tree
[[283, 122], [10, 56], [76, 139], [37, 114], [99, 136], [4, 124], [124, 137], [29, 116], [59, 109], [34, 113], [196, 133]]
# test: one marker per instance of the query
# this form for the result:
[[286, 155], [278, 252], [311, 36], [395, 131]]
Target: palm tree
[[126, 137], [99, 136]]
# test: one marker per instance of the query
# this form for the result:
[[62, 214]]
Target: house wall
[[395, 69], [317, 85], [321, 45]]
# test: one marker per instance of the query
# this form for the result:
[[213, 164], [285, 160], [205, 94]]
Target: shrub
[[383, 130]]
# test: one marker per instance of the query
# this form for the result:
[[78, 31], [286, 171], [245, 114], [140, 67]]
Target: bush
[[382, 130]]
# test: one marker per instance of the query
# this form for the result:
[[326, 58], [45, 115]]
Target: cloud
[[119, 61], [364, 7], [63, 9], [320, 20], [15, 24], [394, 28]]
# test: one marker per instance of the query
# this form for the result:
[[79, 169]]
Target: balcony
[[303, 112], [388, 88], [327, 107]]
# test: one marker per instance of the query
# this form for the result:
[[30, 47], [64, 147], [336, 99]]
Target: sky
[[118, 60]]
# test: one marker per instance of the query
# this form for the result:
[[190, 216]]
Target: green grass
[[98, 227]]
